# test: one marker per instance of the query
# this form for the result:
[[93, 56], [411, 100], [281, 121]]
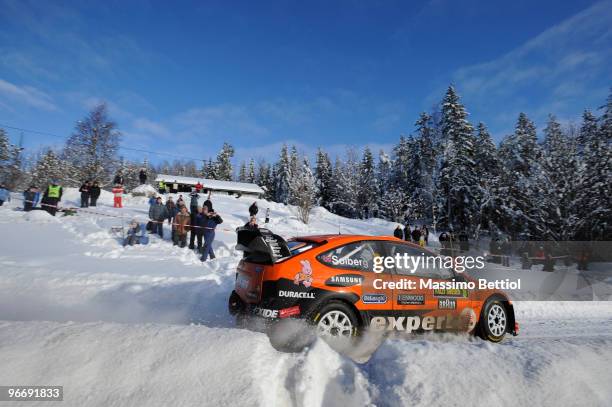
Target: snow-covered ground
[[148, 325]]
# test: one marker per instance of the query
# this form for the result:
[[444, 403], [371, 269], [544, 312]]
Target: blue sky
[[183, 77]]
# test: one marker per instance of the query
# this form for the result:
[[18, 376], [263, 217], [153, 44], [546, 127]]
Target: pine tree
[[242, 174], [250, 177], [223, 169], [367, 187], [561, 171], [523, 191], [593, 204], [488, 169], [48, 167], [457, 177], [92, 149], [283, 177], [303, 190], [323, 179], [264, 180], [5, 154]]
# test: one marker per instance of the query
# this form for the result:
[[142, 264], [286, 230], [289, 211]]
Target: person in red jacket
[[117, 192], [198, 187]]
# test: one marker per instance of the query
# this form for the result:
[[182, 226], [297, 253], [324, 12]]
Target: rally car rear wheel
[[494, 321], [336, 320]]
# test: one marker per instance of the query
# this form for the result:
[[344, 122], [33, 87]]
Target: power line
[[42, 133]]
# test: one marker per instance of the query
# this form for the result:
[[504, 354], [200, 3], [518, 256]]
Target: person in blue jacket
[[211, 220], [31, 196], [5, 195]]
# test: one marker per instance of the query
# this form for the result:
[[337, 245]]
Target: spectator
[[118, 180], [208, 202], [398, 232], [464, 243], [172, 209], [5, 195], [252, 223], [158, 213], [52, 197], [118, 193], [267, 215], [162, 187], [253, 209], [180, 227], [425, 233], [94, 194], [132, 233], [142, 176], [407, 232], [180, 200], [30, 198], [198, 228], [84, 190], [193, 210], [211, 220], [198, 187], [416, 235]]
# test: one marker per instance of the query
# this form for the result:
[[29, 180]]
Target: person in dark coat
[[252, 223], [267, 215], [84, 190], [52, 197], [198, 229], [208, 202], [398, 232], [253, 209], [445, 243], [142, 176], [464, 243], [118, 179], [94, 194], [211, 220], [425, 232], [158, 214], [30, 198], [193, 210], [415, 235], [407, 232]]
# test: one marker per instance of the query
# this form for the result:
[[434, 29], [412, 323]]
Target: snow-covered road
[[149, 326]]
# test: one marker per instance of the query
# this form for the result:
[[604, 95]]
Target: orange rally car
[[330, 280]]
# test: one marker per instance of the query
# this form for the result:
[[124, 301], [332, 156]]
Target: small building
[[177, 183]]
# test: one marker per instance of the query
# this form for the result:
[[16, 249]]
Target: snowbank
[[144, 190], [148, 325]]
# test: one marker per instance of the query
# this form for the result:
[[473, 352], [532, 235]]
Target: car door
[[426, 271], [354, 263]]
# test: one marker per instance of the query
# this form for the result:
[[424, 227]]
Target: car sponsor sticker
[[451, 292], [344, 280], [374, 298], [411, 299], [266, 313], [447, 303], [296, 294], [288, 312]]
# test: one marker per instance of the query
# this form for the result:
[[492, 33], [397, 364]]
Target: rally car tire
[[235, 304], [336, 319], [494, 320]]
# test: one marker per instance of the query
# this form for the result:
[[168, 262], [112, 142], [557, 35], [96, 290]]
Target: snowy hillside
[[148, 325]]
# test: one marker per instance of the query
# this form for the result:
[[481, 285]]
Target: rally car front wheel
[[493, 321], [336, 320]]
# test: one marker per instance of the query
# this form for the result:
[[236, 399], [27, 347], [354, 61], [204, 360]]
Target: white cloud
[[27, 95]]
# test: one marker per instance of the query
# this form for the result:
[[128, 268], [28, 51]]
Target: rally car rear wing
[[261, 245]]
